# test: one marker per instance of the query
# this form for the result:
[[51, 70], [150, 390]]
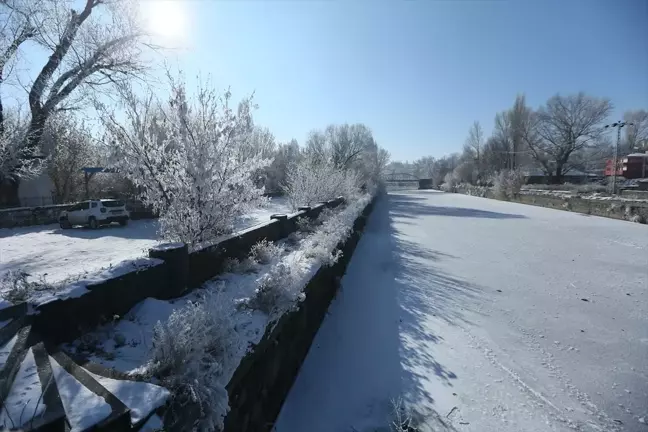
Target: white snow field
[[486, 316], [59, 254]]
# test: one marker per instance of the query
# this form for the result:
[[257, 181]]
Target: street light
[[617, 125]]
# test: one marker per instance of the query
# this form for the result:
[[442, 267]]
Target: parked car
[[94, 213]]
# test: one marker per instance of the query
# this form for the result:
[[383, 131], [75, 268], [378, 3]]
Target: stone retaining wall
[[264, 377], [177, 272], [635, 211]]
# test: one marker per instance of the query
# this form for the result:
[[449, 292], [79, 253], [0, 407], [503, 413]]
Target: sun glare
[[166, 19]]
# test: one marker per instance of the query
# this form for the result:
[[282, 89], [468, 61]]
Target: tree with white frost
[[312, 180], [17, 160], [89, 46], [183, 155]]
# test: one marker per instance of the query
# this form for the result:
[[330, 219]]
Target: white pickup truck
[[94, 213]]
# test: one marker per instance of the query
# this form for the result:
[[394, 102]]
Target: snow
[[24, 401], [140, 397], [60, 254], [454, 303], [82, 407], [153, 424], [6, 350]]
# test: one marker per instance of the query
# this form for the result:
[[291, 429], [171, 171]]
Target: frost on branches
[[17, 159], [310, 181], [184, 155]]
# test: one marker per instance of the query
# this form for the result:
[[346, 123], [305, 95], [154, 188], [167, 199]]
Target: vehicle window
[[84, 206], [74, 208], [94, 204], [115, 203]]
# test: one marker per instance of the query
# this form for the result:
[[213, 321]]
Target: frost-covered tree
[[17, 160], [70, 146], [285, 156], [88, 45], [312, 180], [183, 155]]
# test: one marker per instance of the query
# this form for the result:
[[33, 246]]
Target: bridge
[[403, 179]]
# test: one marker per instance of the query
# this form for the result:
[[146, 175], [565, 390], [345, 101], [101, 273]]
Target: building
[[632, 166]]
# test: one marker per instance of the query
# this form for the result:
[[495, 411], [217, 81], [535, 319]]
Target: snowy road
[[497, 316], [59, 254]]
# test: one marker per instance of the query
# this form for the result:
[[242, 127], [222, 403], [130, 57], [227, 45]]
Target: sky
[[417, 72]]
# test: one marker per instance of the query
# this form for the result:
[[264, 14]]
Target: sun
[[165, 19]]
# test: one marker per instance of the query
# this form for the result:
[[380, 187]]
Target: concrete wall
[[263, 379], [635, 211], [66, 319]]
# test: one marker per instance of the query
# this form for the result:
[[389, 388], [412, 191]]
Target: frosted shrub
[[184, 156], [449, 183], [264, 252], [507, 184], [15, 286], [273, 295], [305, 225], [233, 265], [311, 181], [191, 353]]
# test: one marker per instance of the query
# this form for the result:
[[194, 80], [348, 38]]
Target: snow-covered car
[[94, 213]]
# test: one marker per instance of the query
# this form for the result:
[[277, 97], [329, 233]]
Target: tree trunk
[[36, 128]]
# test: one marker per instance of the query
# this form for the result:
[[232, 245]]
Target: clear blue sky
[[417, 72]]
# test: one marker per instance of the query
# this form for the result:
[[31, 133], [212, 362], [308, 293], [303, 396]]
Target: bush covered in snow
[[310, 181], [508, 183], [16, 286], [185, 157], [264, 252], [449, 183], [191, 353], [274, 294]]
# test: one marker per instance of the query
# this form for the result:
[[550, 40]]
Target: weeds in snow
[[273, 293], [15, 286], [264, 252], [233, 265], [401, 417], [191, 352]]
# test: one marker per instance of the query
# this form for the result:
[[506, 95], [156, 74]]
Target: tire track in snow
[[605, 424]]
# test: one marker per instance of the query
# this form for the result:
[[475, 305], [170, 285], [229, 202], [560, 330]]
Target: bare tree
[[519, 117], [567, 124], [495, 156], [88, 49], [636, 135], [473, 147]]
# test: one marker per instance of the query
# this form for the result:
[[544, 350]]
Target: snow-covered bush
[[185, 157], [192, 354], [310, 181], [274, 293], [449, 183], [336, 227], [264, 252], [508, 183]]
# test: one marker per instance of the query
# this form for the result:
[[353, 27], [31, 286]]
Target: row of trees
[[198, 159], [567, 133]]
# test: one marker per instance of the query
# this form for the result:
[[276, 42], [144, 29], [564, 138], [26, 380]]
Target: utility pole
[[617, 125]]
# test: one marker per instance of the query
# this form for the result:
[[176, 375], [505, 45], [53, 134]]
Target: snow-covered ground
[[496, 315], [59, 254]]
